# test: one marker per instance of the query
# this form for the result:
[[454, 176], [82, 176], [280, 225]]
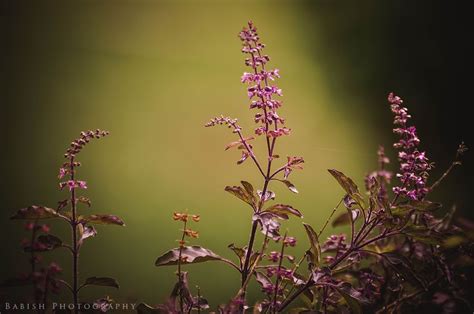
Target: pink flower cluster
[[259, 90], [73, 184], [414, 165]]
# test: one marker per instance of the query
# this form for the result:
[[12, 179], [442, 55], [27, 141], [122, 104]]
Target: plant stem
[[277, 282], [75, 249], [45, 292], [249, 251], [330, 216], [267, 178], [180, 278], [309, 283], [33, 261]]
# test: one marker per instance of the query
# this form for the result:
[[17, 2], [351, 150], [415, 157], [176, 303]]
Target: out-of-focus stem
[[180, 277], [75, 249]]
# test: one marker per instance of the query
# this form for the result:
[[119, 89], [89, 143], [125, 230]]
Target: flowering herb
[[43, 279], [393, 255], [81, 225], [403, 253], [398, 250]]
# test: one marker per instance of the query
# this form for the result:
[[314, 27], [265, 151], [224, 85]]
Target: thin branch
[[330, 216]]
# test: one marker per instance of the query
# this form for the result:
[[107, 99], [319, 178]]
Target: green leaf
[[283, 210], [242, 194], [101, 281], [36, 212], [314, 243], [189, 255], [102, 220]]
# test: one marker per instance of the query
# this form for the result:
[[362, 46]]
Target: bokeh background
[[153, 72]]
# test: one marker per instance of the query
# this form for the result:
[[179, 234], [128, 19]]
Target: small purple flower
[[71, 184], [274, 256], [29, 226], [289, 241], [82, 184], [335, 243], [62, 173]]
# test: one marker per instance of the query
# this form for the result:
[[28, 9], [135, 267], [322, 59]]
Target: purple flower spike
[[414, 165], [259, 90]]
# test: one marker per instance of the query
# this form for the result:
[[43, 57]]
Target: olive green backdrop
[[153, 72]]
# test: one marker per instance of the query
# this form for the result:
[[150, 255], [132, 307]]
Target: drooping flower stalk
[[69, 168]]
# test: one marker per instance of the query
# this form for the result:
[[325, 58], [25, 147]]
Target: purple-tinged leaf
[[318, 274], [421, 206], [190, 255], [200, 303], [101, 281], [283, 211], [239, 142], [84, 200], [249, 190], [423, 235], [315, 247], [242, 194], [269, 195], [402, 265], [345, 182], [181, 289], [270, 226], [290, 186], [240, 252], [102, 220], [248, 187], [103, 304], [348, 185], [85, 232], [45, 242], [62, 204], [36, 212], [341, 220], [352, 297], [263, 280]]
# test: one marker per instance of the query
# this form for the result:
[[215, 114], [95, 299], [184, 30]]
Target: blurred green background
[[153, 72]]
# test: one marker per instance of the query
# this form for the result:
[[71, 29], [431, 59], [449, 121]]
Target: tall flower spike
[[414, 165], [259, 90]]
